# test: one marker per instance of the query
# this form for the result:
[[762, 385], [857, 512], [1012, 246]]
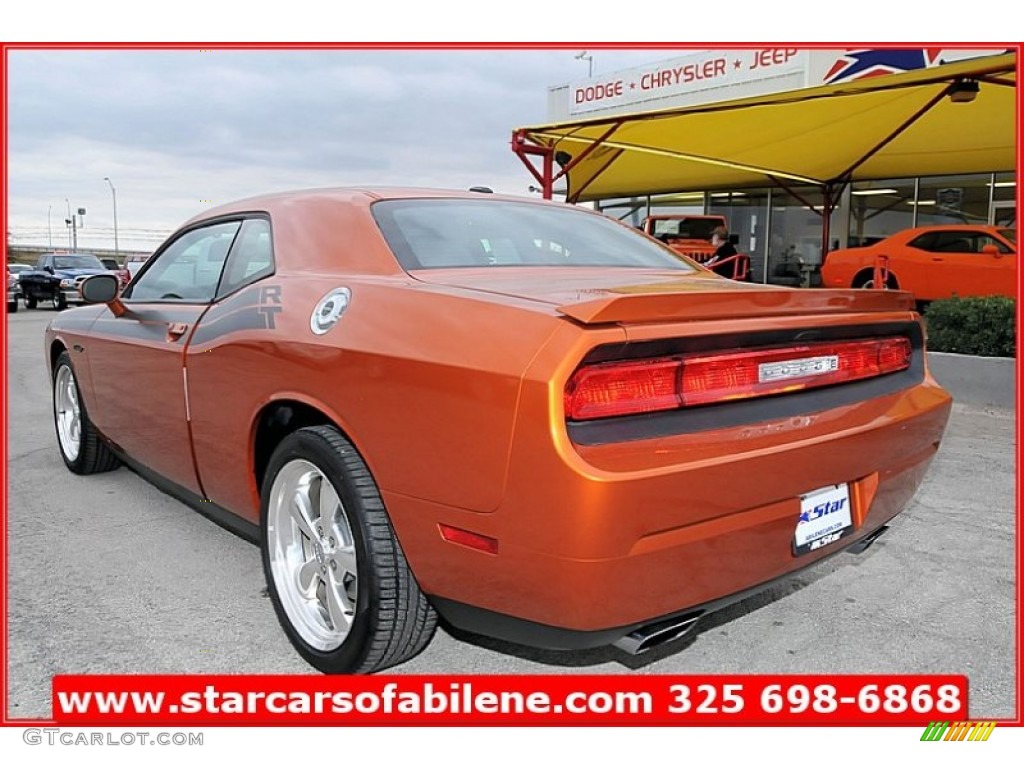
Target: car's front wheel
[[337, 576], [80, 445]]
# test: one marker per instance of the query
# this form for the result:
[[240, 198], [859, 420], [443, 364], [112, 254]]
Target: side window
[[666, 228], [251, 258], [189, 269], [952, 242], [925, 242], [980, 240]]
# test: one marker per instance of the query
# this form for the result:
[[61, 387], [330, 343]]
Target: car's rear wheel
[[83, 451], [12, 306], [30, 302], [866, 280], [337, 576]]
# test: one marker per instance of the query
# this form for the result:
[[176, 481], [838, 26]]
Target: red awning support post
[[828, 202], [522, 146], [524, 151], [880, 276]]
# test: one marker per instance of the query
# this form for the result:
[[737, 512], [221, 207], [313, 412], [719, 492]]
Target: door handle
[[176, 330]]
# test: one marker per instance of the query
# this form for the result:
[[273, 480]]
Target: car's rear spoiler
[[733, 303]]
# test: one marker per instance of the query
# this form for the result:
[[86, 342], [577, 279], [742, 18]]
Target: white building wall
[[706, 77]]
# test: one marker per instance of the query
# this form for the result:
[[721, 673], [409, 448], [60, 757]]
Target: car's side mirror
[[103, 289], [48, 268], [991, 250]]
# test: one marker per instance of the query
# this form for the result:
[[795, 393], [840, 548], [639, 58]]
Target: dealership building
[[802, 151]]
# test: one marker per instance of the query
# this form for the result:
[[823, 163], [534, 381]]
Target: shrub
[[972, 326]]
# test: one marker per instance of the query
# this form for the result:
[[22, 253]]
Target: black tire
[[12, 306], [393, 620], [30, 302], [60, 301], [93, 454]]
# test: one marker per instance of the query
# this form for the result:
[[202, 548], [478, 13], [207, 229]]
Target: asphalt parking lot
[[108, 575]]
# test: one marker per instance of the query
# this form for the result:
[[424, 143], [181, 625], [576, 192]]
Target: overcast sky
[[180, 131]]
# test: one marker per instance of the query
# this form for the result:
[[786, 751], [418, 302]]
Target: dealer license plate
[[824, 518]]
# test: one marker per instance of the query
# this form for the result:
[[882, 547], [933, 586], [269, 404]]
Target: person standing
[[723, 245], [722, 261]]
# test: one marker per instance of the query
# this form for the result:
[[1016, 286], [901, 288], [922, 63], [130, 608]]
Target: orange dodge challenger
[[524, 417], [936, 262]]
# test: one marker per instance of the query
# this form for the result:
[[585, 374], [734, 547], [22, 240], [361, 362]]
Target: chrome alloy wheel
[[68, 413], [312, 555]]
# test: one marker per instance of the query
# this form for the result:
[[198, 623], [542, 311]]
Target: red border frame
[[420, 46]]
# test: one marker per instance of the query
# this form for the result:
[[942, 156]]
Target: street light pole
[[49, 226], [70, 221], [113, 193], [589, 58], [81, 223]]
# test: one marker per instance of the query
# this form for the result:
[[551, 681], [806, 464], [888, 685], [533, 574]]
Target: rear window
[[440, 234], [688, 229], [77, 261]]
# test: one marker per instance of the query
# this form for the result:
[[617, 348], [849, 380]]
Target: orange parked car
[[932, 262], [526, 417]]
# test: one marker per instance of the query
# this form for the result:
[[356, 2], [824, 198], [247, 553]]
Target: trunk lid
[[603, 295]]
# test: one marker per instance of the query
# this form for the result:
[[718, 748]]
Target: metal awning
[[883, 127]]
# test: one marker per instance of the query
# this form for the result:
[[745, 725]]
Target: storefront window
[[746, 213], [680, 202], [879, 209], [631, 211], [1004, 200], [781, 229], [953, 200], [794, 246]]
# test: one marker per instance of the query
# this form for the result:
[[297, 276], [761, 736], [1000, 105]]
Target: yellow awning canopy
[[881, 128]]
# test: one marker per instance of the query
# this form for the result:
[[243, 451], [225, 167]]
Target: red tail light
[[665, 383]]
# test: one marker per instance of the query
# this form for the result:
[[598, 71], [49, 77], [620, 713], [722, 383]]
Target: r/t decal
[[270, 304]]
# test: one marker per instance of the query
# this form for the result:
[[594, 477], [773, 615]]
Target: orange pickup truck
[[685, 234], [690, 236]]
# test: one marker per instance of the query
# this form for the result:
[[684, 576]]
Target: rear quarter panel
[[424, 381]]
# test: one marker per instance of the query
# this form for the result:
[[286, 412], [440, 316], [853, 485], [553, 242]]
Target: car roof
[[686, 216], [956, 228], [360, 196]]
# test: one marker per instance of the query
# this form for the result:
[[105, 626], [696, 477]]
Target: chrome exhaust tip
[[867, 541], [652, 635]]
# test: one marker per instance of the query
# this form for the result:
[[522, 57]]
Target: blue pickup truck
[[58, 277]]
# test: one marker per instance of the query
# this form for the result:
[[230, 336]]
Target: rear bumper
[[595, 541], [481, 621]]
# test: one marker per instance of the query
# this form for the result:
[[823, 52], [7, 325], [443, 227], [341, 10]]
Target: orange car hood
[[601, 295]]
